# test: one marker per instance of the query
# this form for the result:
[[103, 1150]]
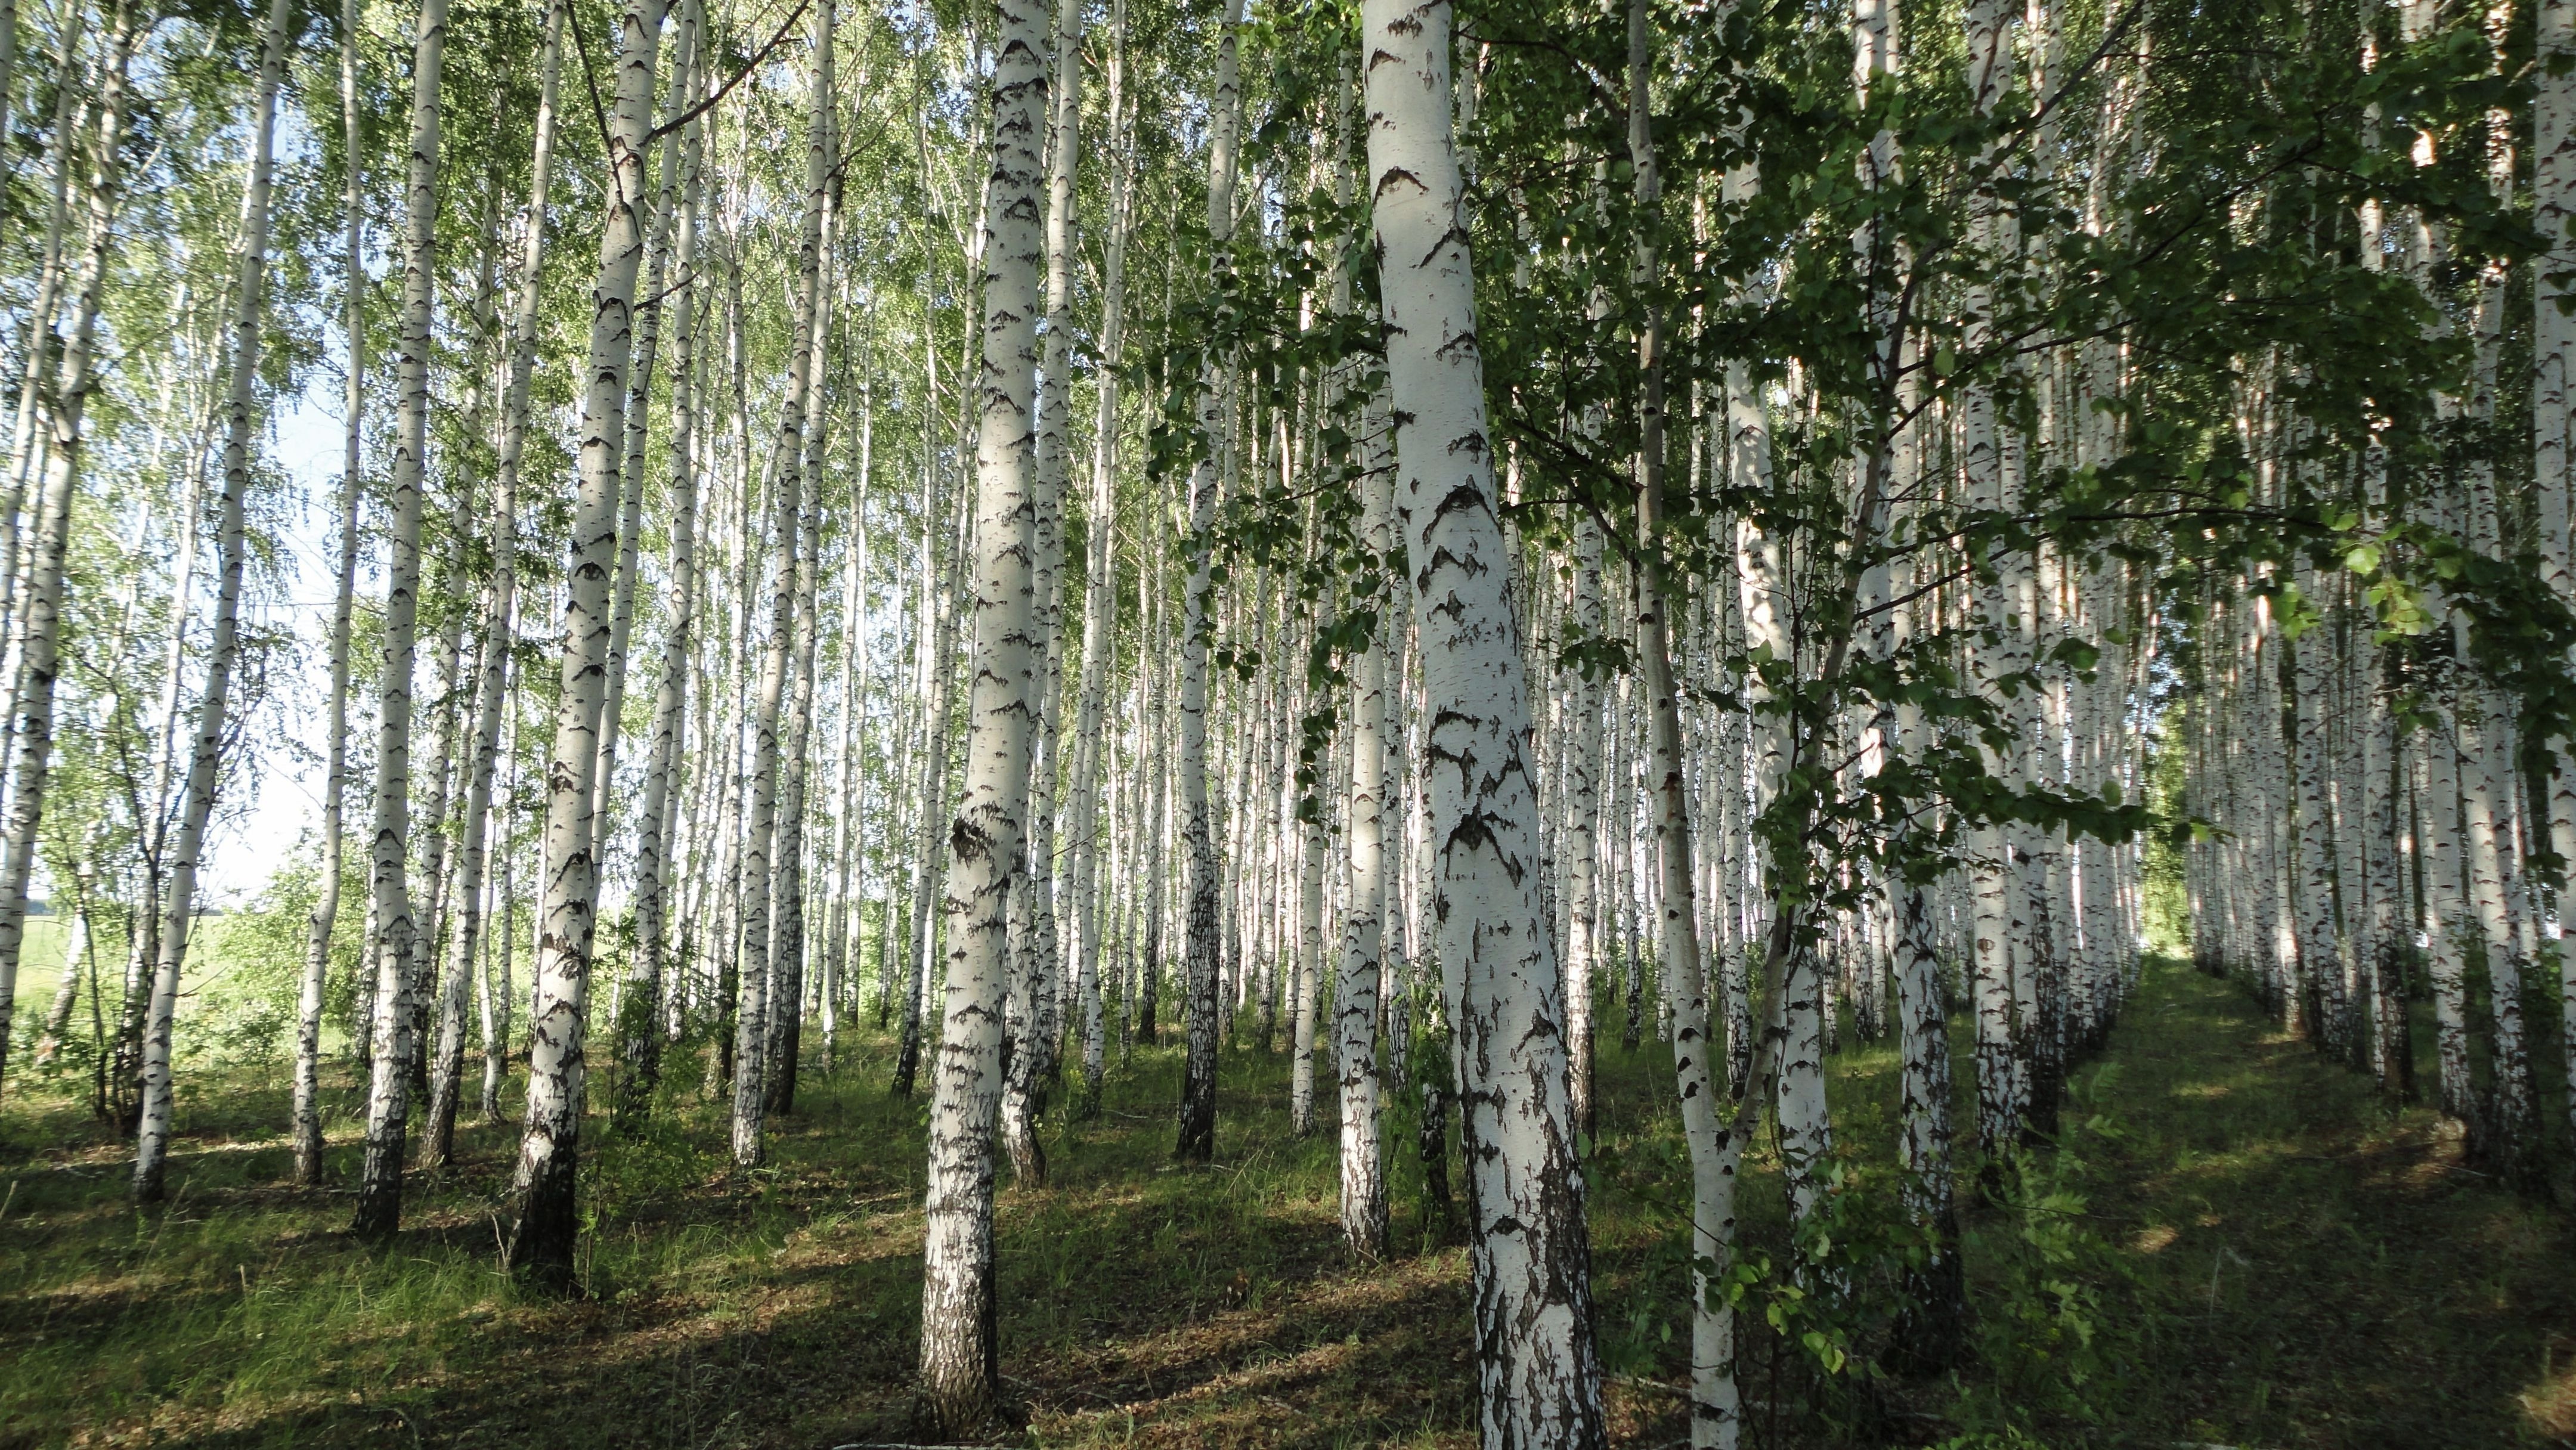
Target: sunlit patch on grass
[[2154, 1239], [2204, 1090], [2549, 1406]]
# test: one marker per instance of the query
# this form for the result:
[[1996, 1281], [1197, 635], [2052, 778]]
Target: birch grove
[[1538, 612]]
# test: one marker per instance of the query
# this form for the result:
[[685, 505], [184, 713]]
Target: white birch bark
[[2000, 1091], [379, 1206], [27, 435], [2553, 444], [541, 1241], [766, 824], [636, 418], [1100, 581], [1581, 838], [787, 992], [1201, 1009], [1355, 1002], [640, 1045], [152, 1140], [1032, 1059], [305, 1116], [960, 1389], [1538, 1375]]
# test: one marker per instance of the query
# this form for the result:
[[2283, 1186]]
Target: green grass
[[2366, 1292]]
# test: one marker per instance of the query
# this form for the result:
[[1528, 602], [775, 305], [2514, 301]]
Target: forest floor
[[2236, 1245]]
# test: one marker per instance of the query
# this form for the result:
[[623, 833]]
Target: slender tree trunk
[[850, 832], [936, 641], [27, 434], [1355, 1001], [1715, 1404], [640, 1035], [1200, 944], [2553, 449], [153, 1139], [1100, 582], [1032, 1059], [760, 850], [787, 994], [306, 1120], [39, 665], [543, 1188]]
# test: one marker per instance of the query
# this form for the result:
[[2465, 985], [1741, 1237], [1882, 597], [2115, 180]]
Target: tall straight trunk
[[153, 1138], [1200, 945], [543, 1188], [2553, 444], [640, 1033], [1355, 999], [32, 711], [461, 674], [2437, 804], [787, 878], [501, 623], [2319, 931], [1538, 1373], [1581, 840], [465, 899], [496, 1044], [27, 434], [1100, 582], [960, 1369], [850, 833], [936, 645], [770, 707], [379, 1209], [637, 418], [1926, 1084], [1994, 872], [306, 1117], [1156, 673], [1032, 1059], [1715, 1402], [2392, 1051], [465, 922]]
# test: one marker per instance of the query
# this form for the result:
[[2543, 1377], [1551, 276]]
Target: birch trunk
[[1100, 583], [1714, 1403], [960, 1371], [543, 1188], [636, 418], [77, 376], [1355, 1003], [1032, 1060], [640, 1034], [760, 848], [27, 435], [787, 904], [2000, 1092], [1539, 1376], [1200, 945], [501, 618], [379, 1209], [941, 537], [305, 1126], [437, 1074], [152, 1139]]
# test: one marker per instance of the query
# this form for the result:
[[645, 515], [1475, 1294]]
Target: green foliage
[[2044, 1335]]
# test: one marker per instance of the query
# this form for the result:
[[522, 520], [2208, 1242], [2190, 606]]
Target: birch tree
[[960, 1369], [543, 1188]]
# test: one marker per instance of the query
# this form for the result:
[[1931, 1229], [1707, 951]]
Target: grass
[[2238, 1246]]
